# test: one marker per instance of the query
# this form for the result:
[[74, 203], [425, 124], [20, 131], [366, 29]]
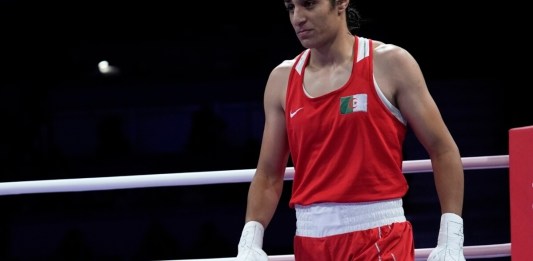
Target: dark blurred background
[[187, 96]]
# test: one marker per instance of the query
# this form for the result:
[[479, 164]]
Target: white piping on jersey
[[363, 49], [395, 111], [301, 62]]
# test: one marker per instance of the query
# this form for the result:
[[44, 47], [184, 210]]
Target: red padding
[[521, 192]]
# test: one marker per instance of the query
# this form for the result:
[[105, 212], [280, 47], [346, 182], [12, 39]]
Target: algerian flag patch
[[353, 103]]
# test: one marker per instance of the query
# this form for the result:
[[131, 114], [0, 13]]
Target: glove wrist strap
[[252, 235]]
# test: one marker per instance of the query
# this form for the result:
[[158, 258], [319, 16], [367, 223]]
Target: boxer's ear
[[341, 5]]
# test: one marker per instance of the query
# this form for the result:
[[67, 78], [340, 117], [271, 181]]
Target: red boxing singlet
[[346, 145]]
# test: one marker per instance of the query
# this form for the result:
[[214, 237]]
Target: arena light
[[105, 68]]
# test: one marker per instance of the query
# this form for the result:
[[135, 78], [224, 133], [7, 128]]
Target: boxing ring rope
[[245, 175], [421, 254], [203, 177]]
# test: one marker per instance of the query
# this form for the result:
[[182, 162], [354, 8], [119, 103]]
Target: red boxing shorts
[[392, 242]]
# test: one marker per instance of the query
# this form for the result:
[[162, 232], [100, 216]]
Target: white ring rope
[[421, 254], [245, 175], [204, 177]]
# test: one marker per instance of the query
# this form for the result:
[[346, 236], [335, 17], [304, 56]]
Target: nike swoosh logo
[[296, 111]]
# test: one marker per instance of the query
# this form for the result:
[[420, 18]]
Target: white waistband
[[327, 219]]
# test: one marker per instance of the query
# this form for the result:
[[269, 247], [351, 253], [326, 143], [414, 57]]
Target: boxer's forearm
[[263, 198], [449, 182]]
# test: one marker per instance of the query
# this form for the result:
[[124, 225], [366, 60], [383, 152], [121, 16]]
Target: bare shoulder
[[395, 69], [283, 68], [276, 86], [391, 54], [280, 74]]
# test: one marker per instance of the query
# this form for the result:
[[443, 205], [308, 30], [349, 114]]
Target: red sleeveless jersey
[[346, 145]]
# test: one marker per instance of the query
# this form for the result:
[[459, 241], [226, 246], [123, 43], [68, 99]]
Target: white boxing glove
[[251, 243], [450, 241]]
